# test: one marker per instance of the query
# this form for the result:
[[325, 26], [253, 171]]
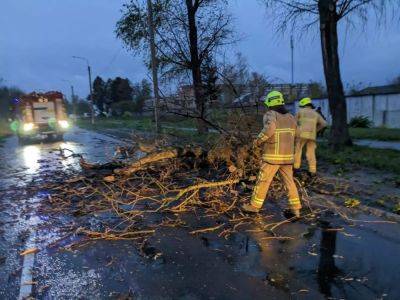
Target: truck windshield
[[42, 112]]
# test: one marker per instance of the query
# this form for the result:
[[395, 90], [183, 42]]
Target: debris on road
[[158, 186], [29, 251]]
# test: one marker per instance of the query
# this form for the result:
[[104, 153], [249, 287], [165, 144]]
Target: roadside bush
[[360, 122], [396, 208], [127, 114], [120, 108], [4, 128], [82, 107]]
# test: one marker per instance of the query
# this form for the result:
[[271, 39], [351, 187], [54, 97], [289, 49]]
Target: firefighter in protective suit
[[309, 123], [277, 140]]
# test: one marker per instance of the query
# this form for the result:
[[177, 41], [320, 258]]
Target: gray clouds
[[38, 38]]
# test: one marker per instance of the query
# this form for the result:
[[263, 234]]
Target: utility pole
[[72, 96], [292, 67], [73, 100], [292, 55], [91, 94], [154, 62], [90, 86]]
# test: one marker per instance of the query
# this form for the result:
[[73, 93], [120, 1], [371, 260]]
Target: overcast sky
[[39, 37]]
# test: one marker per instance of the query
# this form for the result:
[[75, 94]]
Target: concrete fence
[[382, 110]]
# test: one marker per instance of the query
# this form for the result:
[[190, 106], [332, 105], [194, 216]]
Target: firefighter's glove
[[256, 143]]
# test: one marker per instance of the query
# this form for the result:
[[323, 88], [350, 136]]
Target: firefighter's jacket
[[309, 123], [277, 138]]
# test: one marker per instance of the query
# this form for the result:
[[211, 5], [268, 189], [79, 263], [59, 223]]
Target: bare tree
[[301, 15], [187, 32], [258, 85], [235, 76]]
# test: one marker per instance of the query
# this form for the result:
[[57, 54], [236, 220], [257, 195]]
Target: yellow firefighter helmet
[[274, 98]]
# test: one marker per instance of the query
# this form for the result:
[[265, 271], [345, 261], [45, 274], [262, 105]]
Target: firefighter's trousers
[[265, 177], [310, 154]]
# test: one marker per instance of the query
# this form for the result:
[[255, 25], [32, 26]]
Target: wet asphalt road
[[355, 261], [23, 168]]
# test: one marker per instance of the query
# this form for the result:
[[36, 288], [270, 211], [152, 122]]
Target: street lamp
[[72, 96], [90, 84]]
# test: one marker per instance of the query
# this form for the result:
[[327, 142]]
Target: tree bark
[[339, 135], [196, 64], [154, 63]]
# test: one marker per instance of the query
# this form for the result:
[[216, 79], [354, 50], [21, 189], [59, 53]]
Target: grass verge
[[178, 128], [381, 159], [137, 122], [380, 134], [112, 123]]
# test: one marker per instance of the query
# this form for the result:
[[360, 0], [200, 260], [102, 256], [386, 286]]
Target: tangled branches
[[187, 187]]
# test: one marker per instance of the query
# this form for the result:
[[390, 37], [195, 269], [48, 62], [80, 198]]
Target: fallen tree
[[158, 186]]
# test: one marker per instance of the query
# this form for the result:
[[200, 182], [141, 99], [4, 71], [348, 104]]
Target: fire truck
[[41, 115]]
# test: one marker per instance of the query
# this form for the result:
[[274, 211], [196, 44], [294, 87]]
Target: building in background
[[380, 104]]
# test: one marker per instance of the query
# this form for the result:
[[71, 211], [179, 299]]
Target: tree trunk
[[154, 63], [339, 135], [196, 65]]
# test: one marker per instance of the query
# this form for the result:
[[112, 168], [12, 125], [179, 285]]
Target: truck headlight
[[28, 126], [63, 124]]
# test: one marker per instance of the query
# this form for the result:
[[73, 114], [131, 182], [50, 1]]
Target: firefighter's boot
[[295, 212], [250, 208], [292, 214]]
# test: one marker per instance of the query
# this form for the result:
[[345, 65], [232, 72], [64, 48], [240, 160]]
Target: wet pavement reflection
[[327, 269], [23, 169]]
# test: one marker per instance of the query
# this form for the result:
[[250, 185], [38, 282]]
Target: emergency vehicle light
[[28, 126]]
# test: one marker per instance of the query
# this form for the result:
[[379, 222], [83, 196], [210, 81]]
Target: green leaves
[[396, 208], [351, 202]]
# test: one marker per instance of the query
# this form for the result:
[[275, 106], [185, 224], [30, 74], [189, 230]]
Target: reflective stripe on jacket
[[278, 137], [309, 123]]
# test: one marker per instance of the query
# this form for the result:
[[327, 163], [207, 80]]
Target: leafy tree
[[187, 31], [108, 92], [210, 78], [120, 108], [300, 15], [7, 94], [120, 90], [99, 93], [141, 93], [82, 107]]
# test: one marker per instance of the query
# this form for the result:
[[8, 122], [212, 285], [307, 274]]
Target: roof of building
[[379, 90]]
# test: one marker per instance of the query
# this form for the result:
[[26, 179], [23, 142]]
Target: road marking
[[25, 289]]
